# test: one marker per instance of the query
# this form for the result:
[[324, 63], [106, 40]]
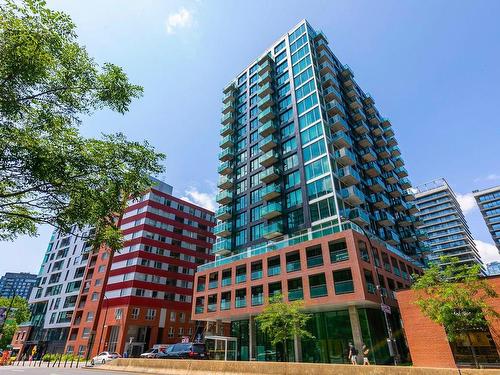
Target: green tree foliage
[[49, 173], [19, 313], [283, 321], [455, 296]]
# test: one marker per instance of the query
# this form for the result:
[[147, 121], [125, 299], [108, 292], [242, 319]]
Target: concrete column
[[297, 344], [357, 336], [218, 326], [251, 338]]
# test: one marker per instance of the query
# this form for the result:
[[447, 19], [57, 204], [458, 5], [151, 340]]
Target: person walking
[[365, 350], [353, 354]]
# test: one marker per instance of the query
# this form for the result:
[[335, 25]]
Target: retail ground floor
[[331, 331]]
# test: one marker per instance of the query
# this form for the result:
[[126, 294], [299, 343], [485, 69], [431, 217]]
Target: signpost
[[385, 308]]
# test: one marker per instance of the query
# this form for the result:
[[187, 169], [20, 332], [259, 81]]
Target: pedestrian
[[365, 351], [125, 354], [353, 354]]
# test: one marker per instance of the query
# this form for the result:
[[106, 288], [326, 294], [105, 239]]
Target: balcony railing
[[343, 287], [240, 302], [295, 294], [271, 210], [293, 266], [273, 271], [318, 291], [273, 230]]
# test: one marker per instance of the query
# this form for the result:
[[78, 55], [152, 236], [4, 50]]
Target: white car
[[104, 357]]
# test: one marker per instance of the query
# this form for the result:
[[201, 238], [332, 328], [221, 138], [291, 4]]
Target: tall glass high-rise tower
[[303, 147]]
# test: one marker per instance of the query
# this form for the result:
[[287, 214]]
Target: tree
[[19, 313], [49, 173], [454, 295], [283, 321]]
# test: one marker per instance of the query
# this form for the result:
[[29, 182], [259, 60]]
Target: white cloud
[[205, 200], [179, 20], [467, 202], [493, 177], [488, 252]]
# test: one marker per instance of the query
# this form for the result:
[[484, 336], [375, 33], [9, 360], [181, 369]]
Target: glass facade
[[489, 203], [300, 135]]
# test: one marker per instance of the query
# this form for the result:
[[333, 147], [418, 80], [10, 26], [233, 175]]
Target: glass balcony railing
[[353, 195], [257, 300], [273, 230], [199, 309], [314, 261], [270, 174], [227, 141], [293, 266], [256, 275], [345, 156], [224, 212], [225, 182], [341, 139], [225, 305], [271, 210], [273, 271], [359, 216], [226, 281], [269, 158], [271, 191], [226, 130], [295, 294], [241, 279], [371, 288], [318, 291], [267, 128], [226, 154], [265, 89], [339, 255], [200, 287], [240, 302], [348, 175], [265, 102], [268, 143], [222, 247], [343, 287], [335, 108], [212, 307], [213, 284], [228, 118], [338, 123], [224, 197], [223, 229]]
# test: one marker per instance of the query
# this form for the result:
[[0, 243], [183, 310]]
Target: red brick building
[[337, 277], [427, 340], [142, 295]]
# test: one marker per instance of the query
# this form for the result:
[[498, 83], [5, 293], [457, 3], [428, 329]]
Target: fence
[[57, 360]]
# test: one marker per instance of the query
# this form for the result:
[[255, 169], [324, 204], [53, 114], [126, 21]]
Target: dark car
[[185, 351]]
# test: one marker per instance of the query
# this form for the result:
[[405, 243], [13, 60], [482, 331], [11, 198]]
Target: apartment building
[[444, 222], [313, 204], [17, 284], [488, 201]]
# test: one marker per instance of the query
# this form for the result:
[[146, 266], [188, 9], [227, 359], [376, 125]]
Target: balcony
[[368, 99], [391, 237], [265, 78], [389, 176], [228, 107], [271, 210], [326, 68], [224, 212], [399, 205], [273, 230], [345, 156], [223, 229], [394, 190], [404, 220], [377, 131], [270, 174], [391, 141], [380, 200], [240, 302], [358, 115], [335, 108], [355, 103], [373, 119], [269, 158], [338, 123], [231, 86], [351, 92], [257, 300], [226, 130], [375, 184], [368, 155], [364, 141], [349, 176], [295, 294], [329, 79], [387, 165], [266, 115], [267, 129], [343, 287], [226, 281], [225, 168], [265, 67], [408, 236], [228, 97], [353, 195], [370, 109], [226, 142], [226, 154], [323, 56], [395, 151], [421, 234], [331, 93], [401, 172], [408, 196], [383, 152], [321, 42], [398, 161], [385, 123], [225, 182], [199, 309], [341, 139], [228, 119], [388, 132], [222, 247], [380, 141], [360, 128], [273, 270], [265, 102], [268, 143], [359, 216], [224, 197], [265, 90], [347, 76], [225, 305], [271, 191], [405, 183], [372, 169], [412, 208], [292, 266], [384, 218]]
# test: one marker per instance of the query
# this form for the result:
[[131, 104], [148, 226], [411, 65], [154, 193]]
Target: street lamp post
[[390, 339], [103, 325]]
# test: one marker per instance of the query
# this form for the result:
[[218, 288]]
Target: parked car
[[104, 357], [185, 351], [155, 351]]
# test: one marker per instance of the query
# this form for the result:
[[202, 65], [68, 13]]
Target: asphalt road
[[14, 370]]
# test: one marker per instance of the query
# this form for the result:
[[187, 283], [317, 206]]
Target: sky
[[431, 66]]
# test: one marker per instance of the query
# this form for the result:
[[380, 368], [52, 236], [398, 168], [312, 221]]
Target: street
[[55, 371]]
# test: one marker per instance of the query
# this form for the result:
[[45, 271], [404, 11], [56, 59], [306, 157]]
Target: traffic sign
[[385, 308]]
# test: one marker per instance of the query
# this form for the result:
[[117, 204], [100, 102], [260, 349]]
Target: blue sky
[[432, 67]]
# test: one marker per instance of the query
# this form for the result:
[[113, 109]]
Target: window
[[319, 187], [150, 314], [283, 90], [241, 203], [303, 77], [278, 59], [241, 171], [283, 78], [284, 103], [317, 168], [292, 179], [241, 220], [298, 43], [309, 118], [172, 316], [290, 162], [304, 90], [279, 47], [254, 180], [257, 231], [288, 130], [86, 333], [241, 145], [90, 316], [254, 68], [95, 296], [295, 219], [311, 133], [289, 145], [343, 281], [118, 314], [296, 33], [101, 268], [241, 186], [255, 196], [307, 103], [254, 137], [301, 65], [314, 150], [242, 79], [286, 116], [242, 157], [255, 213], [135, 313], [323, 209], [300, 53], [294, 198]]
